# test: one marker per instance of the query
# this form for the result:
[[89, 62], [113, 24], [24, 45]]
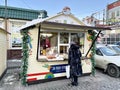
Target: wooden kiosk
[[45, 49], [3, 51]]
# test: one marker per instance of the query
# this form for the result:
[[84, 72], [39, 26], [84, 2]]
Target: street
[[101, 81]]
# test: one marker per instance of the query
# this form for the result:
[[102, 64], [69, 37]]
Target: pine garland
[[25, 57], [92, 34], [93, 60]]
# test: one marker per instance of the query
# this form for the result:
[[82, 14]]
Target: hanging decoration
[[29, 43], [25, 50], [91, 35]]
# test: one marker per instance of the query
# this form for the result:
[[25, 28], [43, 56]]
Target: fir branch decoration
[[25, 51], [93, 60], [92, 34]]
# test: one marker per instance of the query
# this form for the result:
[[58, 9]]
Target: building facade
[[11, 19], [110, 18], [113, 13], [113, 20]]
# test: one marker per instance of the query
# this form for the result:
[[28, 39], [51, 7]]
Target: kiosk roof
[[62, 26]]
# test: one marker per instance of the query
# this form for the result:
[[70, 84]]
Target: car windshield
[[118, 43], [108, 52], [116, 48]]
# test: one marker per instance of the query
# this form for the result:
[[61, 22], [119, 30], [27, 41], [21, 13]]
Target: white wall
[[3, 51], [65, 19]]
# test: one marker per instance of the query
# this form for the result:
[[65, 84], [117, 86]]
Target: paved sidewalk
[[100, 82]]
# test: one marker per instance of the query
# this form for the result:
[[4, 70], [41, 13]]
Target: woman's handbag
[[68, 71]]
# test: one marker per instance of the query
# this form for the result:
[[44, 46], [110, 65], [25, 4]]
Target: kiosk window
[[63, 49], [64, 44], [48, 45], [64, 38], [54, 46]]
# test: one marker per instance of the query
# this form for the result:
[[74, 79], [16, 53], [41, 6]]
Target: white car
[[116, 48], [108, 60]]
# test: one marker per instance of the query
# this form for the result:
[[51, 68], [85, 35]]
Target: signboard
[[58, 68]]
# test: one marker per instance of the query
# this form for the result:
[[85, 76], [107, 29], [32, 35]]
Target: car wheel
[[113, 70]]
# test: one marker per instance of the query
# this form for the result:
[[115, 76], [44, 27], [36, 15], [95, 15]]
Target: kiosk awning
[[62, 26]]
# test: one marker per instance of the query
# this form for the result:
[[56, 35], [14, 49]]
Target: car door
[[99, 58]]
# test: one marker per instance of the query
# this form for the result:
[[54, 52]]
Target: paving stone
[[100, 81]]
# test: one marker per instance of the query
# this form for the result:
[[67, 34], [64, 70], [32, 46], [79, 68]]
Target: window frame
[[58, 42]]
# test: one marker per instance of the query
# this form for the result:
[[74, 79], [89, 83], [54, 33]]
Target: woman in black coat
[[74, 60]]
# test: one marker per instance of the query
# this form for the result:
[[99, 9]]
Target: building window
[[113, 15], [16, 37], [118, 13], [112, 39], [65, 21]]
